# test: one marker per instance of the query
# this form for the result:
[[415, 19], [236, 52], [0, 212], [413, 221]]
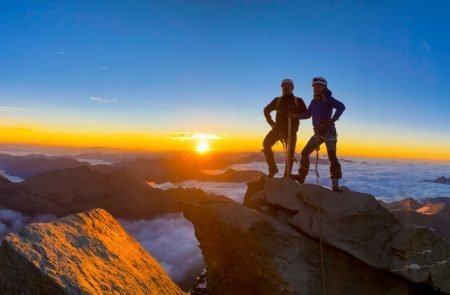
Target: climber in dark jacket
[[282, 105], [323, 119]]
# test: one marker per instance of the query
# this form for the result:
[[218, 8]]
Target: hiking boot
[[298, 177], [272, 172], [335, 185], [337, 189]]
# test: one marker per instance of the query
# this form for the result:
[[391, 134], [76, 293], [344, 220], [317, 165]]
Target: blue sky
[[211, 66]]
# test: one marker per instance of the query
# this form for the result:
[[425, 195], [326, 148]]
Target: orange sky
[[182, 141]]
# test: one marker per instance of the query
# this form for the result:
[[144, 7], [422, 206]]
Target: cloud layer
[[12, 221], [182, 136], [171, 241], [388, 180]]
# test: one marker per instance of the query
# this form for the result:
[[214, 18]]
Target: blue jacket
[[322, 111]]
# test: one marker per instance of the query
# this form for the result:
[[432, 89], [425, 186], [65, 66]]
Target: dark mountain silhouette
[[441, 180], [433, 213], [73, 190], [407, 204], [32, 165], [230, 175]]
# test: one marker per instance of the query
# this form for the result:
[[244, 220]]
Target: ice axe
[[287, 168]]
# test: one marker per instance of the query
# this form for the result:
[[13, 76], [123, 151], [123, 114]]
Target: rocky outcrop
[[86, 253], [433, 213], [407, 204], [272, 244], [357, 224]]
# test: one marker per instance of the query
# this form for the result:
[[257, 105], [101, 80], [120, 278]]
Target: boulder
[[249, 252], [85, 253], [357, 224]]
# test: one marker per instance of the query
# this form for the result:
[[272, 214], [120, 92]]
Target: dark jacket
[[322, 111], [281, 105]]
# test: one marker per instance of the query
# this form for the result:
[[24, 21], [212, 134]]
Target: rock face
[[273, 247], [86, 253], [357, 224]]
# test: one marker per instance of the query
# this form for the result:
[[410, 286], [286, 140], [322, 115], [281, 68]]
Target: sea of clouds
[[171, 238], [385, 179]]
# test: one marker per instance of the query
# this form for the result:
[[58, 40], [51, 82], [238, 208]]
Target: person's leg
[[271, 138], [292, 154], [304, 162], [335, 166]]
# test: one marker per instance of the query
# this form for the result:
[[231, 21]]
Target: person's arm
[[339, 106], [306, 114], [301, 106], [268, 109]]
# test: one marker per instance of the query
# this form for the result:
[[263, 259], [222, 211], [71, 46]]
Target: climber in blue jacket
[[323, 119]]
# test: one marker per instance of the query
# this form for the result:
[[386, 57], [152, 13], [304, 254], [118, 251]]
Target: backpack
[[295, 102]]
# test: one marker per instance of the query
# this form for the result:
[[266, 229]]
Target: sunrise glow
[[202, 147]]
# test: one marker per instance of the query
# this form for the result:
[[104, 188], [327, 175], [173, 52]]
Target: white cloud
[[384, 179], [10, 108], [231, 190], [171, 240], [182, 136], [103, 100], [13, 221]]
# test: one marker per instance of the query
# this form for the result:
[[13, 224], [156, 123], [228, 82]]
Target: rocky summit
[[85, 253], [272, 244]]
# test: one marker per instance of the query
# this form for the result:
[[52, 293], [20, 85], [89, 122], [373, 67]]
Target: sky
[[166, 75]]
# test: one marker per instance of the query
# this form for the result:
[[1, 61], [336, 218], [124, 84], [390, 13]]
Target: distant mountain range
[[177, 167], [63, 192], [433, 213], [441, 180]]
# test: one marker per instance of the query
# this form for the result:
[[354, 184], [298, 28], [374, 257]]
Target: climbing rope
[[320, 219], [294, 160]]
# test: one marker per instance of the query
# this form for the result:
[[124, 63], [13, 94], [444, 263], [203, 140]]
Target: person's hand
[[327, 123], [272, 124]]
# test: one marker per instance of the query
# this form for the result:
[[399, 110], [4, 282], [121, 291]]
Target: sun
[[202, 147]]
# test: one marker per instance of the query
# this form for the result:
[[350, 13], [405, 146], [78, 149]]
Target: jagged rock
[[433, 213], [357, 224], [85, 253], [407, 204], [249, 252]]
